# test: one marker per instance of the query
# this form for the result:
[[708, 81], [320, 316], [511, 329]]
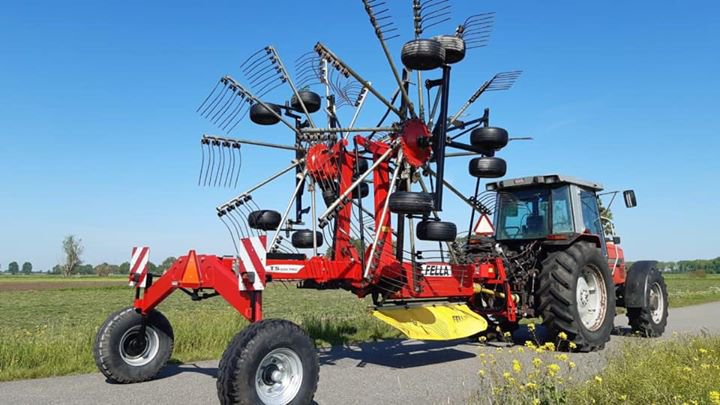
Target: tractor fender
[[636, 283]]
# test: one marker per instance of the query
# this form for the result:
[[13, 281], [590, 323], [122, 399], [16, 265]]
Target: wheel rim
[[591, 298], [279, 377], [137, 350], [657, 303]]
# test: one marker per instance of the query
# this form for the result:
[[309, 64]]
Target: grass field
[[50, 331]]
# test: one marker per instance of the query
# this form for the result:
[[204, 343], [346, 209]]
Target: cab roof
[[554, 179]]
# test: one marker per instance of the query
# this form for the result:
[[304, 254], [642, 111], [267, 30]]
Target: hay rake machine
[[365, 214]]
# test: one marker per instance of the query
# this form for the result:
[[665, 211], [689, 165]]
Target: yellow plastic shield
[[433, 322]]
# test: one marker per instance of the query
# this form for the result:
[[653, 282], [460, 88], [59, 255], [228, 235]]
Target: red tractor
[[371, 197]]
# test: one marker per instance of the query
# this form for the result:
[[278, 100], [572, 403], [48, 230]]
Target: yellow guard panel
[[433, 322]]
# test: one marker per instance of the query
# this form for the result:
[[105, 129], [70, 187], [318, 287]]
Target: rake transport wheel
[[408, 202], [575, 296], [269, 362], [651, 319], [126, 355]]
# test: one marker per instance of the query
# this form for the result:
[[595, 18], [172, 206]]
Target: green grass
[[7, 279], [684, 290], [682, 370], [51, 332]]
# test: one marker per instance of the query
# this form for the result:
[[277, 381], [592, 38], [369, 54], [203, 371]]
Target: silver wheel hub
[[591, 298], [279, 377], [657, 303], [137, 349]]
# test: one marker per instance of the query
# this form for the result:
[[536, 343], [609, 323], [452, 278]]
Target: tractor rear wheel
[[124, 354], [269, 362], [651, 320], [575, 296]]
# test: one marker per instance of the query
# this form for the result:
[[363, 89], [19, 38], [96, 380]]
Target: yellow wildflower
[[687, 369], [506, 375], [598, 379], [553, 369], [531, 386], [481, 373], [714, 397], [571, 364], [562, 357], [516, 366], [550, 346], [530, 344], [507, 334], [573, 346], [531, 327], [703, 351], [521, 349], [562, 336], [482, 339], [536, 362], [705, 366], [536, 401], [622, 397]]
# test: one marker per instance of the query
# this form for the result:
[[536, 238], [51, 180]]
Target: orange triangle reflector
[[191, 275]]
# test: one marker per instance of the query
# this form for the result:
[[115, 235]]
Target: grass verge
[[682, 370]]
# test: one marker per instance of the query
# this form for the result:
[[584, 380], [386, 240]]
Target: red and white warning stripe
[[252, 261], [138, 266]]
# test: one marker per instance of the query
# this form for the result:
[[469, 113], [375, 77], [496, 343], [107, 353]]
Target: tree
[[73, 249], [607, 217], [124, 268], [103, 270], [27, 268], [165, 265], [13, 268]]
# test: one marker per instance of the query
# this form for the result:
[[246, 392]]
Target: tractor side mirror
[[630, 200], [616, 240]]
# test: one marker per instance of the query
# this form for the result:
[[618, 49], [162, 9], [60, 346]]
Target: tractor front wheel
[[651, 319], [130, 348], [574, 296], [269, 362]]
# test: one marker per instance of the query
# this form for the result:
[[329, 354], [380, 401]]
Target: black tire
[[407, 202], [557, 296], [454, 48], [487, 167], [436, 231], [239, 365], [361, 191], [329, 196], [125, 359], [423, 54], [263, 116], [490, 138], [303, 239], [265, 220], [310, 99], [651, 320], [362, 167]]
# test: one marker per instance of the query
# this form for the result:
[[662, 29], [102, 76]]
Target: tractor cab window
[[590, 213], [522, 214], [561, 211]]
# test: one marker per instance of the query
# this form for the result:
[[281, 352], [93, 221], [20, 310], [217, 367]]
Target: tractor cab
[[551, 207]]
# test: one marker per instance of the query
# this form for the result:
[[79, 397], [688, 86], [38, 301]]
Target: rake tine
[[219, 96], [239, 165], [208, 97], [224, 165], [284, 75], [231, 116], [219, 100], [220, 215], [231, 169], [202, 160], [253, 60], [219, 166], [211, 165], [219, 113]]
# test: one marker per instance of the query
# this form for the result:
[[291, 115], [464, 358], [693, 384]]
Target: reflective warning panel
[[484, 226], [433, 322]]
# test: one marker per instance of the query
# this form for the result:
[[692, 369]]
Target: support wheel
[[408, 202], [576, 296], [269, 362], [436, 231], [126, 355], [651, 320], [266, 220], [423, 54]]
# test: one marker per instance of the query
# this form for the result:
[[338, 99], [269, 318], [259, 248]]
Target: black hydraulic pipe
[[440, 137]]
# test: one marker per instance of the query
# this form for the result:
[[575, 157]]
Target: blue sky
[[99, 138]]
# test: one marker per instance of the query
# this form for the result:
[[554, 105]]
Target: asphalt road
[[396, 372]]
